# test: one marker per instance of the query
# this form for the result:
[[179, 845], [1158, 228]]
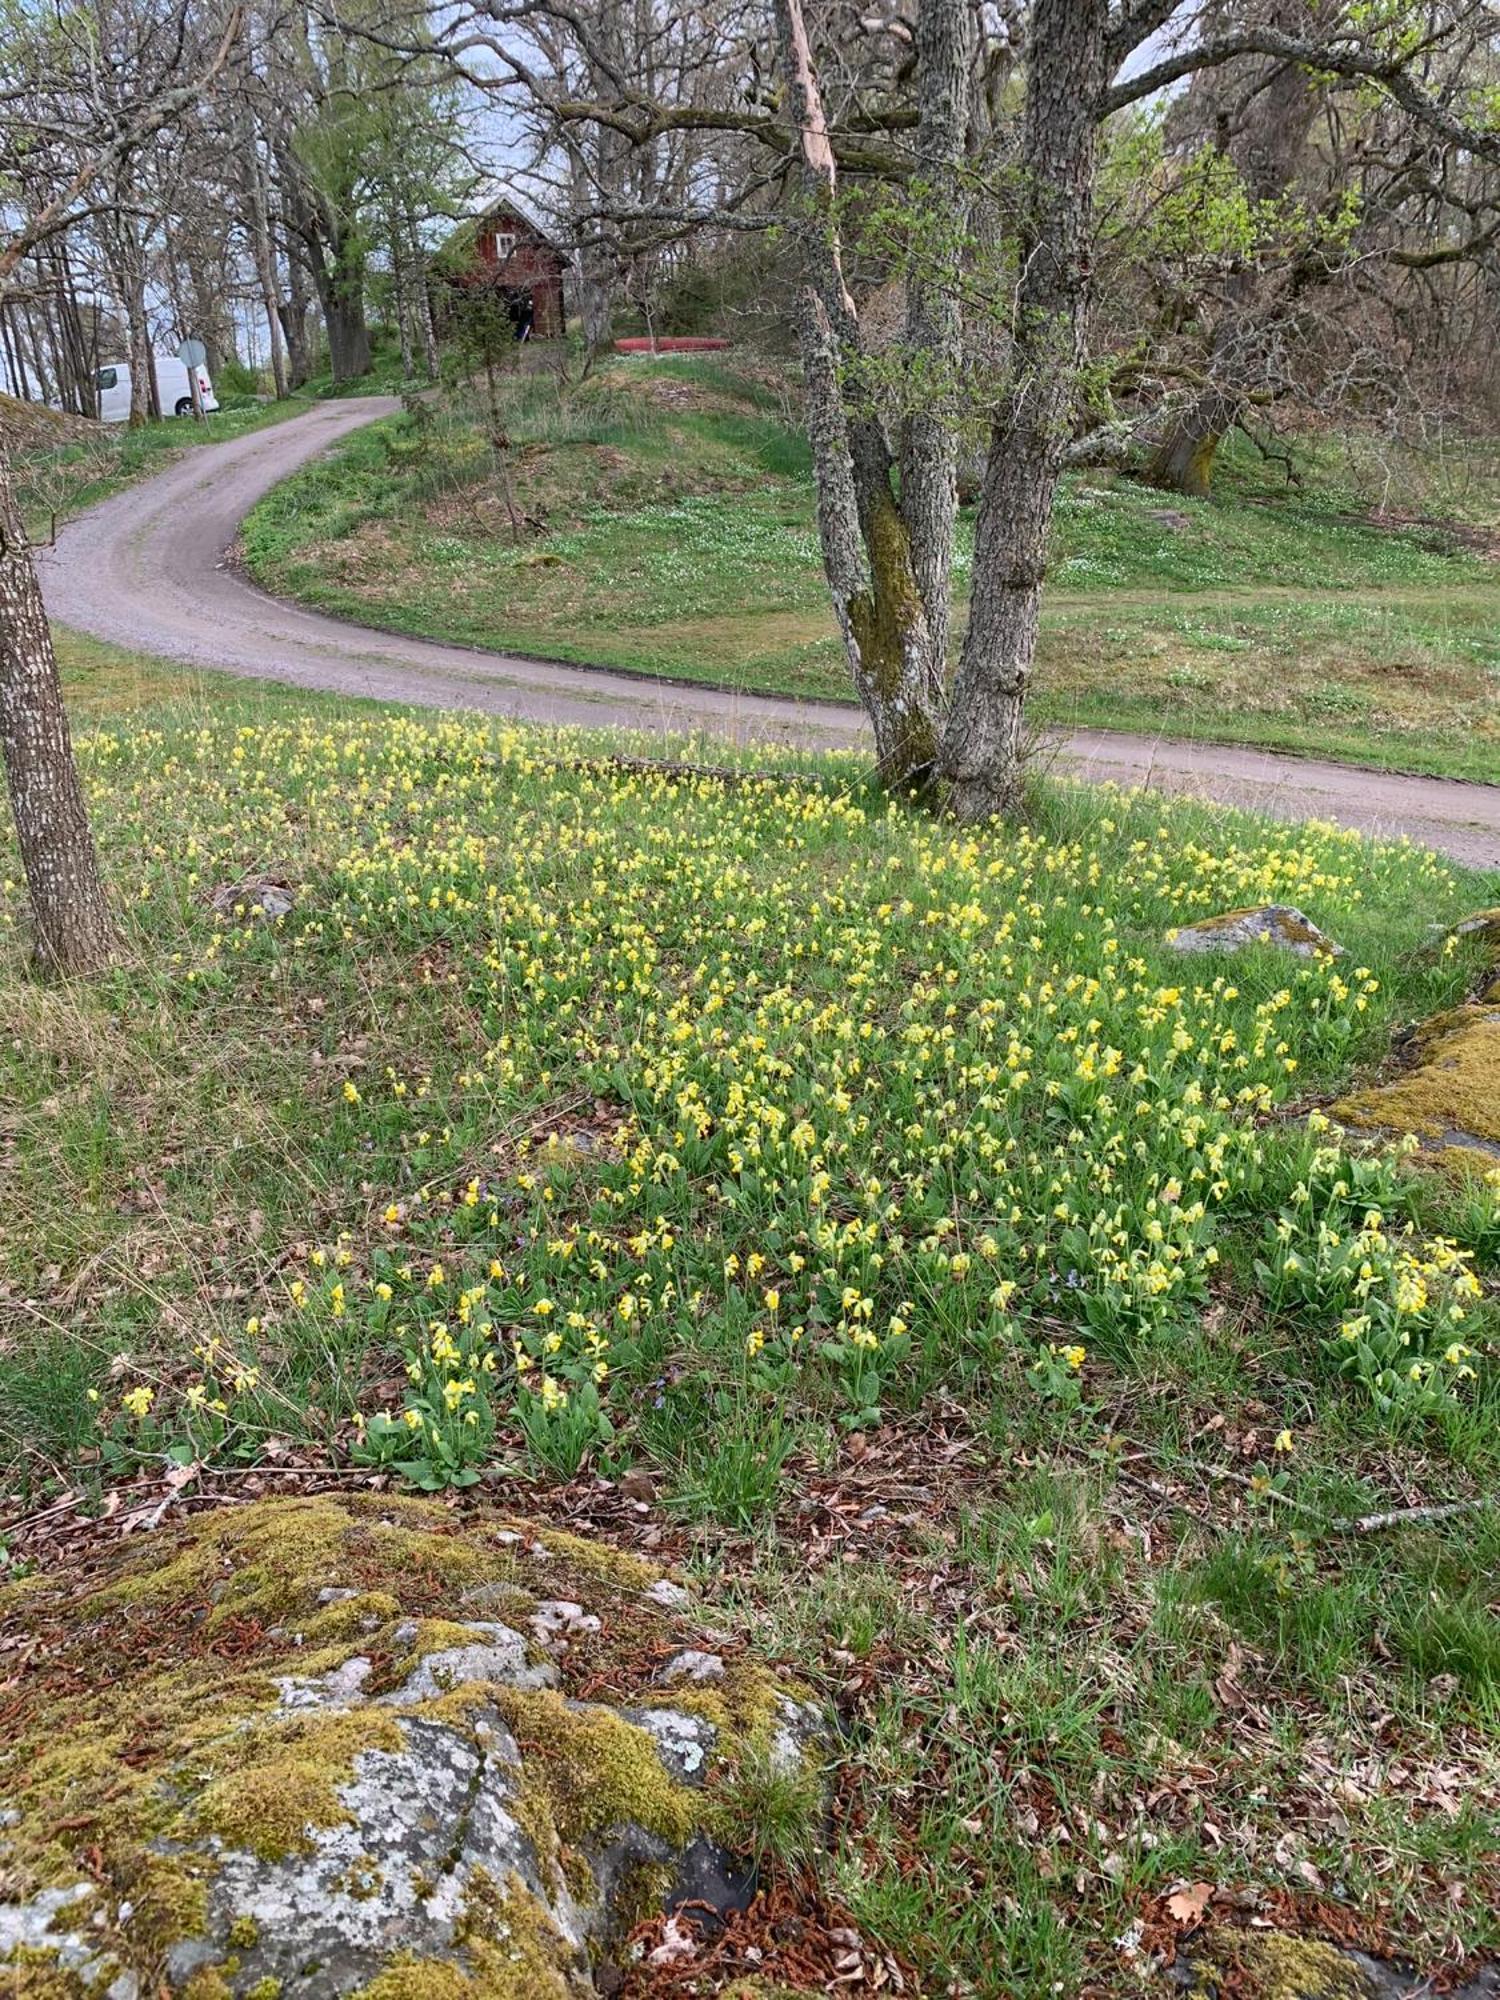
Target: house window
[[505, 242]]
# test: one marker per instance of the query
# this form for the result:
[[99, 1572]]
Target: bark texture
[[74, 932], [934, 317], [982, 755], [884, 616]]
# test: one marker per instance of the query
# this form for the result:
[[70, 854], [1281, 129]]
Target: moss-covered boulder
[[1231, 1964], [1448, 1093], [363, 1746], [1280, 925]]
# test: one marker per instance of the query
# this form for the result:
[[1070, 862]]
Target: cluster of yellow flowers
[[1400, 1298], [831, 1093]]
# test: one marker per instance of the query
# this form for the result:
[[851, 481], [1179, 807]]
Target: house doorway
[[521, 306]]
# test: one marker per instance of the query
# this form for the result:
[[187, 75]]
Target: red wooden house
[[512, 253]]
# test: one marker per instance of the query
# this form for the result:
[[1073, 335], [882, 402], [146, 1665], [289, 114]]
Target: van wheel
[[184, 406]]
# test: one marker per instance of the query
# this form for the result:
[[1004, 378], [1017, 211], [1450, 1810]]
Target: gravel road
[[148, 570]]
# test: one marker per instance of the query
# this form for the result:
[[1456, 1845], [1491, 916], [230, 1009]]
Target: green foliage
[[1405, 1305]]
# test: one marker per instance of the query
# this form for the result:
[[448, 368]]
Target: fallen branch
[[1396, 1517], [1336, 1524]]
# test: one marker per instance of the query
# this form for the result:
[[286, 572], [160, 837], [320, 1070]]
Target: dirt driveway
[[147, 570]]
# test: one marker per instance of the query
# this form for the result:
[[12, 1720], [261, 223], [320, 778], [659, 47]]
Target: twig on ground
[[1337, 1524], [1367, 1524]]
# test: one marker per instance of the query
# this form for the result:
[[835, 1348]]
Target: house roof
[[505, 201]]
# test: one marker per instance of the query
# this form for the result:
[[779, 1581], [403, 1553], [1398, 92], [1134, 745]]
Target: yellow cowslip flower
[[351, 1095], [1283, 1442], [138, 1401], [1075, 1356]]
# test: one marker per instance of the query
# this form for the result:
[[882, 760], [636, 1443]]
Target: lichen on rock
[[1270, 924], [350, 1746]]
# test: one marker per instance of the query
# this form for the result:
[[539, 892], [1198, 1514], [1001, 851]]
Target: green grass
[[669, 1092], [661, 521]]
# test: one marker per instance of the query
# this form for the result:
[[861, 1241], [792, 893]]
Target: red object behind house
[[671, 343]]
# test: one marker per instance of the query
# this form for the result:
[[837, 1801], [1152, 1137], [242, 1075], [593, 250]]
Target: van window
[[108, 377]]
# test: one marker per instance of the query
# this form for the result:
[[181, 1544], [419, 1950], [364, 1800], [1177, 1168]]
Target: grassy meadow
[[659, 517], [976, 1295]]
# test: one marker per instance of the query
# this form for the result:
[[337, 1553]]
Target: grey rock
[[666, 1595], [557, 1620], [422, 1819], [1279, 924], [802, 1728], [48, 1922], [339, 1688], [259, 898], [684, 1743], [693, 1666], [497, 1654]]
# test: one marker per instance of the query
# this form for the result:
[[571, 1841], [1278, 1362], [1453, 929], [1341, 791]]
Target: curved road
[[148, 569]]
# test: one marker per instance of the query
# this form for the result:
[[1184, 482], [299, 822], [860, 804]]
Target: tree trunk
[[339, 276], [934, 318], [1265, 150], [867, 563], [74, 930], [982, 755], [1184, 460], [144, 400], [422, 288], [594, 302], [293, 311], [265, 272], [401, 294], [867, 552], [348, 338], [262, 253]]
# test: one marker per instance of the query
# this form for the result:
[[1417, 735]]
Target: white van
[[173, 388]]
